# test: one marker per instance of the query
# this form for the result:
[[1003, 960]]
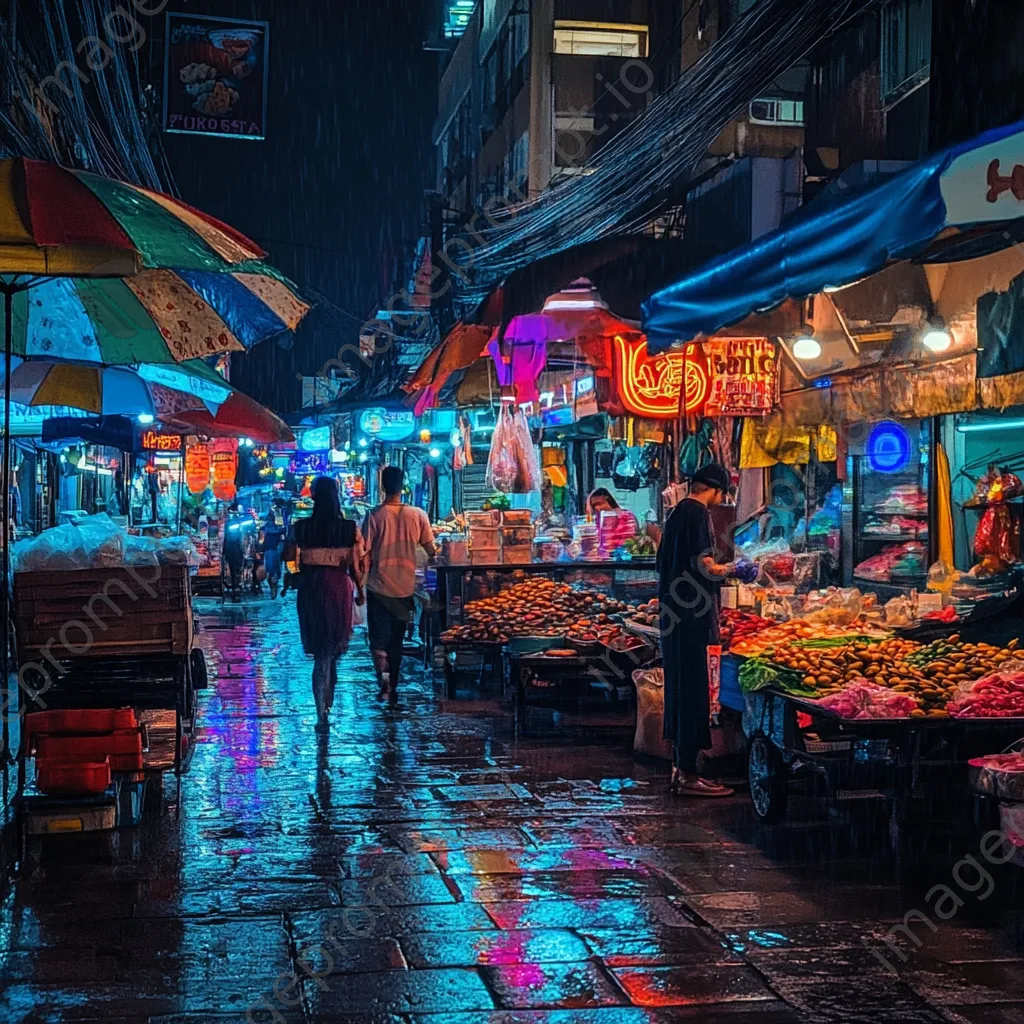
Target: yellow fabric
[[67, 260], [77, 386], [770, 441], [12, 227], [943, 506]]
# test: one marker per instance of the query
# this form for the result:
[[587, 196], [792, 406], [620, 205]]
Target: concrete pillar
[[542, 115]]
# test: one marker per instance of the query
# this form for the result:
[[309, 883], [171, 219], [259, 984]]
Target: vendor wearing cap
[[690, 579]]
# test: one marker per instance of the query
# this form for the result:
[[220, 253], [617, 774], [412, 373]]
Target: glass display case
[[886, 508]]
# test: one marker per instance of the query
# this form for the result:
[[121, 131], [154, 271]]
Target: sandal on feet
[[703, 788]]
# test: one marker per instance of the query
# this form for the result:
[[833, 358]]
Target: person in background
[[330, 554], [271, 544], [233, 550], [393, 532], [602, 500], [688, 586]]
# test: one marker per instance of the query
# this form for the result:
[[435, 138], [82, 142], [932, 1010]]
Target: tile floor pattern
[[426, 867]]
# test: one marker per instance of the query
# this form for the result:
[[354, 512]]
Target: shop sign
[[318, 439], [198, 463], [309, 464], [215, 76], [650, 386], [744, 376], [154, 441], [387, 424], [225, 467]]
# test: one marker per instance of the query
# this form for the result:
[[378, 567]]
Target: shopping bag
[[358, 613]]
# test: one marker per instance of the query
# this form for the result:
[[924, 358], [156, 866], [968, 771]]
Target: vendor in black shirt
[[689, 583]]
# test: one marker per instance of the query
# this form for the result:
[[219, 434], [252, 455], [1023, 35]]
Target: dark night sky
[[338, 182]]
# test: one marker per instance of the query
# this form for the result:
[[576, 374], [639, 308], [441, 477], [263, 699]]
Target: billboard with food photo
[[215, 76]]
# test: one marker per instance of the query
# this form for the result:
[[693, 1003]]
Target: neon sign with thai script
[[650, 385], [153, 441]]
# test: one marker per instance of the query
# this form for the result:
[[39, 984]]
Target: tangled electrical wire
[[636, 173]]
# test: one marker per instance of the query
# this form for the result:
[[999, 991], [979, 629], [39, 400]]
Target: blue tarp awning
[[980, 182]]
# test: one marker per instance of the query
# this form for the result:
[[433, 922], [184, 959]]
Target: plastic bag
[[62, 547], [513, 467], [997, 540], [650, 713], [104, 542]]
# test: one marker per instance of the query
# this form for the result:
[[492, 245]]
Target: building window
[[775, 111], [906, 47], [598, 39], [457, 15]]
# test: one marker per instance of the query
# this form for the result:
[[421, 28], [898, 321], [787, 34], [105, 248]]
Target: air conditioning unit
[[776, 111]]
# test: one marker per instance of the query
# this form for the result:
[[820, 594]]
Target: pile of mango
[[930, 673]]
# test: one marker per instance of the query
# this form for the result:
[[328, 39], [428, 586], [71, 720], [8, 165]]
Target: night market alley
[[423, 865]]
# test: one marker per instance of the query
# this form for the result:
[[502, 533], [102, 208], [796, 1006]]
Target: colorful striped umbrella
[[155, 390], [64, 235], [190, 396]]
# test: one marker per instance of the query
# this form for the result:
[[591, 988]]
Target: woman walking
[[330, 555]]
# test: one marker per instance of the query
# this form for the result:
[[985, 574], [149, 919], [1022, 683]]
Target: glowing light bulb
[[806, 348]]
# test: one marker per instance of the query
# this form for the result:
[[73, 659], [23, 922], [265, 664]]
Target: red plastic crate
[[81, 721], [123, 747], [58, 777]]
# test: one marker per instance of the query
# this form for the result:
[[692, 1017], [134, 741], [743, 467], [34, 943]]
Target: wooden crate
[[86, 613]]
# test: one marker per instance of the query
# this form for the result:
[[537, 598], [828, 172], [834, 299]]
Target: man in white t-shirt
[[393, 533]]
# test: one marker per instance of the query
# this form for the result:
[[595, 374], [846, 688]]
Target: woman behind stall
[[330, 555]]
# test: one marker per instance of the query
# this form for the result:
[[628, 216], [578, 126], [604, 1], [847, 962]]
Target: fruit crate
[[91, 613]]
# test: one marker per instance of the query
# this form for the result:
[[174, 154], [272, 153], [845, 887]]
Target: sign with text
[[387, 424], [154, 441], [215, 76], [650, 386], [744, 376]]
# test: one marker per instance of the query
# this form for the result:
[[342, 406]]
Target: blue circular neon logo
[[888, 448]]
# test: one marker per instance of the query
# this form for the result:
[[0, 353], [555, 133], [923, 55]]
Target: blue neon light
[[888, 448]]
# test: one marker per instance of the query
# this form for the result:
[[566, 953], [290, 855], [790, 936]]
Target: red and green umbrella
[[109, 272]]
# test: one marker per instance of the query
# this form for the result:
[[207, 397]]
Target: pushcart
[[891, 760], [118, 637]]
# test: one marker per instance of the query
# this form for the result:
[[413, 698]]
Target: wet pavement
[[426, 866]]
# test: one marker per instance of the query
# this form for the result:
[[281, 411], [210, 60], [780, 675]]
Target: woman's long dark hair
[[327, 527]]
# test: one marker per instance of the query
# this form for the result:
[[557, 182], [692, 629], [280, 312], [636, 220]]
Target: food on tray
[[560, 652], [865, 700], [999, 695], [906, 559], [647, 614], [537, 606], [1011, 763]]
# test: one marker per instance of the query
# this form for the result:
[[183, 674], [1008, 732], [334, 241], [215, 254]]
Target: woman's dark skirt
[[325, 610]]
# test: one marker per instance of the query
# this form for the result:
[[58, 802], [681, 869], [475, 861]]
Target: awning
[[951, 206]]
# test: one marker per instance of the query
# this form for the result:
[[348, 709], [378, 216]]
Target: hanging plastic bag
[[513, 467]]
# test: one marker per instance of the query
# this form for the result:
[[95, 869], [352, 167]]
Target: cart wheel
[[197, 663], [767, 774]]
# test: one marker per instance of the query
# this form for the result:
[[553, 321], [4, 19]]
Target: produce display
[[536, 607], [999, 695], [640, 546], [602, 630], [865, 677], [866, 700], [783, 633], [735, 625]]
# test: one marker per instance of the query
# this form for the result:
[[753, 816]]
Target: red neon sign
[[650, 385]]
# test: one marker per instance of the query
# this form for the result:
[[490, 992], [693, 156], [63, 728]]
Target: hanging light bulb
[[936, 338], [805, 348], [435, 453]]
